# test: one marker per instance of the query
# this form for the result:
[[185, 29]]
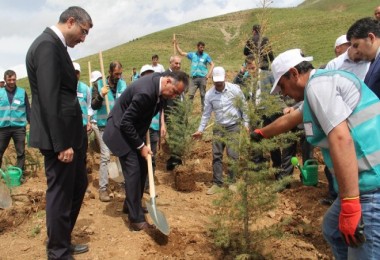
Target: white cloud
[[115, 22]]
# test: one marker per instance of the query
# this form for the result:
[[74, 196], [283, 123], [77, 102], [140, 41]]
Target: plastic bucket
[[310, 173]]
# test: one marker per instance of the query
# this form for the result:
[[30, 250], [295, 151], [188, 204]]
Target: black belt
[[196, 77]]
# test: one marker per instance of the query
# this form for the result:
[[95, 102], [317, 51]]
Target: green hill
[[313, 26]]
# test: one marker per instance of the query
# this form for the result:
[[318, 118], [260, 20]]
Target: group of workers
[[338, 110]]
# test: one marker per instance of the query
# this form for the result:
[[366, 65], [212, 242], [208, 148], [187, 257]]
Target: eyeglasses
[[84, 31]]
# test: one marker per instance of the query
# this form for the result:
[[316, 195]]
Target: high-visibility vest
[[364, 126], [12, 115], [101, 114], [82, 98]]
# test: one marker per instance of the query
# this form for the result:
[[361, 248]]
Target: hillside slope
[[312, 26]]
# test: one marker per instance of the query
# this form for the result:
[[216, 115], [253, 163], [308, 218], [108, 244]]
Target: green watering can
[[309, 171], [12, 176]]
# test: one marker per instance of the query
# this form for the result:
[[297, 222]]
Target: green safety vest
[[12, 115], [82, 98], [101, 114], [364, 125]]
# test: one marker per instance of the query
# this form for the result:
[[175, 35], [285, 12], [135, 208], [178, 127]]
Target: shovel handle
[[104, 81], [152, 190]]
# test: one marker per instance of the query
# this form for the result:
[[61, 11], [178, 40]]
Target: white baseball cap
[[95, 75], [218, 74], [146, 68], [76, 66], [283, 63], [341, 40]]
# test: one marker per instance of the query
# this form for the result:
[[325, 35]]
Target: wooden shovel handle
[[104, 81], [152, 190]]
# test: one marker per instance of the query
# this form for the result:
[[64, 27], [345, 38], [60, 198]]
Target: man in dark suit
[[56, 126], [126, 129], [364, 36]]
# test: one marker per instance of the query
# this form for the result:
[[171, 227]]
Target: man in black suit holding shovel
[[126, 128]]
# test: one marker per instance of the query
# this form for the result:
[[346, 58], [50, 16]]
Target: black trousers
[[135, 170], [66, 187], [18, 136]]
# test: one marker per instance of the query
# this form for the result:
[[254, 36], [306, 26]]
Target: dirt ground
[[104, 227]]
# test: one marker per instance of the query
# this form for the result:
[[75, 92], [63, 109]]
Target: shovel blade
[[114, 171], [158, 217], [5, 196]]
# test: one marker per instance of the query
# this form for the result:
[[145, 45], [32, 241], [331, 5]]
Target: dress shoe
[[126, 210], [103, 196], [78, 249], [138, 226]]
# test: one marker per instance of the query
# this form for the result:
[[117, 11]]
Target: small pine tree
[[182, 124], [256, 186]]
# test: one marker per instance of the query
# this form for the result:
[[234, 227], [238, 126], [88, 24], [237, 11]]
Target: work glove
[[351, 223], [257, 135]]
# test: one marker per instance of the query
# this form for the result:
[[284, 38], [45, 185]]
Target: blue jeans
[[371, 217]]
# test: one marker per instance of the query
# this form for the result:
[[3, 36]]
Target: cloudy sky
[[115, 22]]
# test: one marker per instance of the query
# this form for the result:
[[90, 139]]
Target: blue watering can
[[12, 176], [309, 171]]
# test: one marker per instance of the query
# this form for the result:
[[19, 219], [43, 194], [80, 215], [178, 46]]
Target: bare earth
[[105, 228]]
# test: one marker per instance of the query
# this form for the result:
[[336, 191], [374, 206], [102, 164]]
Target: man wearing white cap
[[351, 62], [220, 99], [341, 45], [347, 60], [339, 114]]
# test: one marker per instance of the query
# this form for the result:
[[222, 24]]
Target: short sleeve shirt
[[332, 98]]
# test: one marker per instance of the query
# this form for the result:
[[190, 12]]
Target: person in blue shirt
[[199, 73], [14, 115], [135, 75]]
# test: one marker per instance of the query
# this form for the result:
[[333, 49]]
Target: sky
[[115, 22]]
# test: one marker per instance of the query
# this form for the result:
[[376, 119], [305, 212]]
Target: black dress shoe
[[78, 249], [138, 226], [126, 210]]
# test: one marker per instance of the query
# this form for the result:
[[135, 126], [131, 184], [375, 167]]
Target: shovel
[[157, 216], [5, 196], [114, 168]]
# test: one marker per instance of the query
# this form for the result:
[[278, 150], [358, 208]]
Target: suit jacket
[[372, 78], [56, 117], [130, 118]]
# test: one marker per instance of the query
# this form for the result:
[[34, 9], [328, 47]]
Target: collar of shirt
[[377, 53], [11, 92], [224, 90], [59, 34]]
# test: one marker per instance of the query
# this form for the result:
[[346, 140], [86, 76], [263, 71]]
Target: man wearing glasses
[[126, 128], [56, 126]]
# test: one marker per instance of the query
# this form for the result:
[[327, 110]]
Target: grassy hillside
[[313, 26]]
